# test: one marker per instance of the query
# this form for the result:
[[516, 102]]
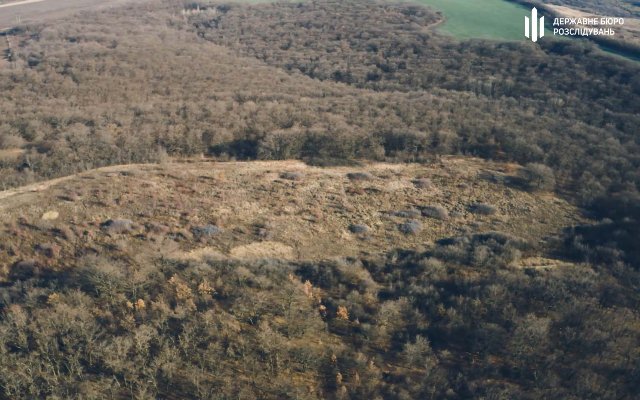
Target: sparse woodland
[[330, 83]]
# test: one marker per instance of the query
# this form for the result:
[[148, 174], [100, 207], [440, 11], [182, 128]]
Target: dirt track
[[40, 10], [7, 196]]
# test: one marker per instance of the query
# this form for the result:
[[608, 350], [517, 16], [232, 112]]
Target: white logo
[[532, 25]]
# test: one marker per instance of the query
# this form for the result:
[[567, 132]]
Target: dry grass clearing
[[283, 210]]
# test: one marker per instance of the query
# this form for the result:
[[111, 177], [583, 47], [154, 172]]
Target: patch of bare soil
[[542, 263], [10, 154], [257, 250]]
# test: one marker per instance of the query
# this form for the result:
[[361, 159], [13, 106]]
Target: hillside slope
[[280, 209], [278, 280]]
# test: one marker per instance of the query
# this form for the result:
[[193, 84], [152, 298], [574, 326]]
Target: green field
[[467, 19], [487, 19]]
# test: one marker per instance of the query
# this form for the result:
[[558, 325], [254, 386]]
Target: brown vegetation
[[146, 310], [449, 277], [132, 86], [253, 213]]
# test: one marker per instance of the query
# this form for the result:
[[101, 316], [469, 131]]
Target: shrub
[[538, 177], [292, 176], [482, 209], [206, 231], [24, 269], [423, 183], [419, 353], [412, 227], [436, 212], [407, 214], [49, 250], [359, 228], [11, 142], [359, 176], [118, 226], [494, 249]]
